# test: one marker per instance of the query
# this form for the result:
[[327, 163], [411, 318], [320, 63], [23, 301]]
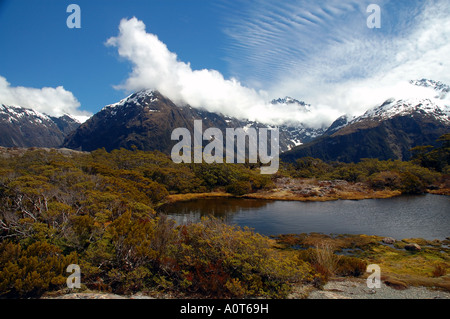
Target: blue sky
[[228, 56], [38, 50]]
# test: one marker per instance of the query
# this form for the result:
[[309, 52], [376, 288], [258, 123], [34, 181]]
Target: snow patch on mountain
[[437, 107], [391, 108], [15, 114], [138, 98], [302, 106], [441, 88]]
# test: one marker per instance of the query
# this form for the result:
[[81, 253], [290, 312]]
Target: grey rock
[[388, 240], [413, 247]]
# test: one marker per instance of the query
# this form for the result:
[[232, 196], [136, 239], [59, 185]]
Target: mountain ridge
[[24, 127], [387, 131], [146, 119]]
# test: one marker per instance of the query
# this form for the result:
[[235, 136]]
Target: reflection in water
[[426, 216], [221, 208]]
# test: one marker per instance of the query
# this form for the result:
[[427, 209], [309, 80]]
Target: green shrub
[[385, 179], [239, 188], [411, 184], [222, 260], [351, 266], [31, 271]]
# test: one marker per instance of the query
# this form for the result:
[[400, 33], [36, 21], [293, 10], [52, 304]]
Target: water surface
[[424, 216]]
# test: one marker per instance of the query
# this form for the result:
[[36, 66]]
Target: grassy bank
[[400, 268], [192, 196], [289, 196]]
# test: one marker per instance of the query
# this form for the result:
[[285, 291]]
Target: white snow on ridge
[[435, 85], [437, 106], [15, 113], [392, 108], [134, 99]]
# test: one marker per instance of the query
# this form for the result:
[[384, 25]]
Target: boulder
[[388, 240], [413, 247]]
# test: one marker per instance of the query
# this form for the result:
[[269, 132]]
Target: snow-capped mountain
[[441, 88], [22, 127], [392, 108], [147, 118], [291, 101], [387, 131], [142, 98], [437, 107], [297, 133]]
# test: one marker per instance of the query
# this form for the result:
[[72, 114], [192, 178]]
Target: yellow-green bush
[[31, 271]]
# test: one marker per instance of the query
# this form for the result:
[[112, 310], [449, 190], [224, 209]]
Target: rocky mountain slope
[[146, 120], [387, 131], [21, 127]]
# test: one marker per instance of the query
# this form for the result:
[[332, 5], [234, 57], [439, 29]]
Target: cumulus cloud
[[52, 101], [155, 67]]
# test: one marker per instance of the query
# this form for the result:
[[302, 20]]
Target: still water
[[424, 216]]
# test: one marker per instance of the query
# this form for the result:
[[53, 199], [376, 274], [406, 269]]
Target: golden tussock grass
[[192, 196], [443, 191], [429, 267], [344, 195]]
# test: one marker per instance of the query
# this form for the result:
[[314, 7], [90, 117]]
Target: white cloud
[[321, 52], [269, 39], [324, 54], [155, 67], [389, 63], [52, 101]]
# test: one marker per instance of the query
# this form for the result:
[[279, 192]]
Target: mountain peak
[[142, 98], [291, 101], [23, 127], [436, 85], [15, 113], [288, 100], [430, 107], [392, 108]]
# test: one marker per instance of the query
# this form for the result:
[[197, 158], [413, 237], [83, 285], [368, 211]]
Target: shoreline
[[282, 195], [172, 198], [287, 196], [405, 274]]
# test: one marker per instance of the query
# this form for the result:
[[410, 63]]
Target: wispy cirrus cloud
[[323, 51], [271, 38], [319, 51]]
